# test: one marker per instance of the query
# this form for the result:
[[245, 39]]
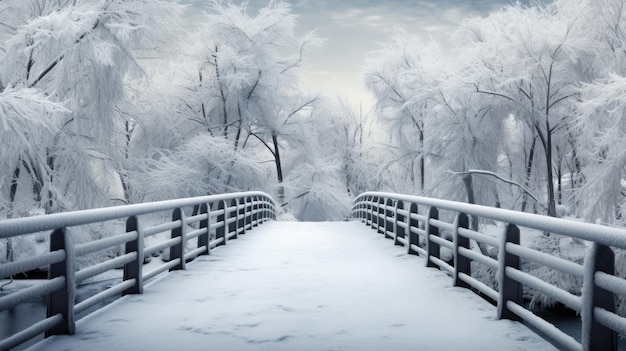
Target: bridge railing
[[211, 220], [415, 223]]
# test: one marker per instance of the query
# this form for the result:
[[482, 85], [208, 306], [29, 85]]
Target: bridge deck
[[301, 286]]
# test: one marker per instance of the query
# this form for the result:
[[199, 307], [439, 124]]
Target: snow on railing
[[397, 217], [218, 218]]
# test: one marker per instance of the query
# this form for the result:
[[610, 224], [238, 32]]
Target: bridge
[[312, 286]]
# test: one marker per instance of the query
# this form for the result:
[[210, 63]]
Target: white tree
[[242, 83], [602, 195], [525, 57], [332, 160], [602, 124], [26, 117], [404, 75], [78, 53]]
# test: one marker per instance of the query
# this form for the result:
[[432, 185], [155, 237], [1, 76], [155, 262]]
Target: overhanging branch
[[508, 181]]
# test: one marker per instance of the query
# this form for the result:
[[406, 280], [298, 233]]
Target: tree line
[[524, 112]]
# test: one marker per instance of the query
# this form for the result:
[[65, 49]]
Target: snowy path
[[301, 286]]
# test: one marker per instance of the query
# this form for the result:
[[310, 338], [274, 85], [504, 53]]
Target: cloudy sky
[[354, 28]]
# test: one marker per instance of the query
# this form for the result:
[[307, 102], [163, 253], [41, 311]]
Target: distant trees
[[334, 161]]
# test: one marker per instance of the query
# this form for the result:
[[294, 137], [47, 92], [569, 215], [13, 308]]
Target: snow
[[301, 286]]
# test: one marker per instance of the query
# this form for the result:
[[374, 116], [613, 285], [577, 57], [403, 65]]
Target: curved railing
[[212, 220], [415, 223]]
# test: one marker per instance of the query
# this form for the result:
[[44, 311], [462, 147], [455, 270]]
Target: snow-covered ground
[[301, 286]]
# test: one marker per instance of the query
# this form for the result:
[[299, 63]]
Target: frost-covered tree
[[602, 124], [78, 54], [602, 196], [242, 80], [404, 77], [524, 57], [350, 133], [26, 116], [333, 160]]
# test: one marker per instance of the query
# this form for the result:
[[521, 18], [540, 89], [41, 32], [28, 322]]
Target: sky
[[353, 29]]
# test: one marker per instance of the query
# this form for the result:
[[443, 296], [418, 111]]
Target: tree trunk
[[222, 93], [13, 189], [236, 146], [123, 176], [550, 177], [125, 187], [279, 169], [422, 167], [469, 187], [37, 178], [49, 207], [12, 194], [529, 169], [559, 180]]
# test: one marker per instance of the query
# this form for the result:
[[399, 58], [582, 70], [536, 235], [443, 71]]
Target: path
[[301, 286]]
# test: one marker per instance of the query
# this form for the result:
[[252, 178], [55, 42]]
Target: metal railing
[[213, 221], [414, 222]]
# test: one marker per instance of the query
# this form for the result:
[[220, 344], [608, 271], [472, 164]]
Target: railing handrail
[[406, 219], [25, 225], [602, 234], [215, 220]]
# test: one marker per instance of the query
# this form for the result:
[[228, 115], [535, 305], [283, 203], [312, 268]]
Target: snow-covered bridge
[[314, 286], [301, 286]]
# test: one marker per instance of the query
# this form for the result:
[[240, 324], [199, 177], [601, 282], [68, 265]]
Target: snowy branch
[[61, 57], [508, 181]]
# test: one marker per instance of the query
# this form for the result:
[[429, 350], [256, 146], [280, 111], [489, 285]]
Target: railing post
[[62, 301], [241, 215], [510, 289], [271, 210], [381, 211], [413, 238], [374, 213], [248, 214], [368, 210], [262, 211], [432, 248], [363, 209], [255, 211], [595, 336], [220, 232], [203, 239], [234, 212], [133, 270], [462, 264], [398, 229], [389, 219], [178, 250]]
